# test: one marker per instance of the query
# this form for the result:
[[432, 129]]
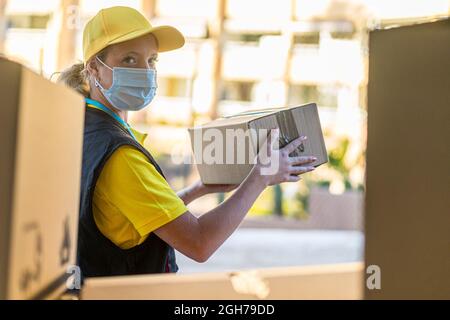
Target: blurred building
[[239, 55]]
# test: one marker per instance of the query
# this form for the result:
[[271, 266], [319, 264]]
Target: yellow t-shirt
[[131, 198]]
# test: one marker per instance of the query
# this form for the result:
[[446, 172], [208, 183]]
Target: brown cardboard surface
[[8, 127], [42, 148], [408, 157], [292, 121], [343, 281]]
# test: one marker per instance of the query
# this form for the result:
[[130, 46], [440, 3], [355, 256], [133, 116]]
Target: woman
[[130, 218]]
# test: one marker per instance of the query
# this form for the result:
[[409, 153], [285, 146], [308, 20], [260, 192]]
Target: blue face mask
[[132, 88]]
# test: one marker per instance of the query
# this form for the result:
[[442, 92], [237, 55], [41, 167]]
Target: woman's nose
[[146, 66]]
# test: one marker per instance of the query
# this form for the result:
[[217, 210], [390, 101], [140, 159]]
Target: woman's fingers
[[300, 169], [294, 144], [302, 160], [293, 178]]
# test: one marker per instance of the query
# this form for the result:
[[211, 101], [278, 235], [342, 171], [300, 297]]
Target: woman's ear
[[92, 68]]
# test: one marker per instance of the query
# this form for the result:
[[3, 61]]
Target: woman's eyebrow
[[155, 55], [134, 52]]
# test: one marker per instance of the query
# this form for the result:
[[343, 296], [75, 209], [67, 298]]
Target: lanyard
[[97, 105]]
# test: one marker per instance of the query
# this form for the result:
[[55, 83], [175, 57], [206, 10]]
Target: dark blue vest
[[97, 255]]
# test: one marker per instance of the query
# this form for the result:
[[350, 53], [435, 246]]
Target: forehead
[[145, 45]]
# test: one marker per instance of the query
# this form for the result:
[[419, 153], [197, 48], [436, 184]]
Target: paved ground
[[251, 248]]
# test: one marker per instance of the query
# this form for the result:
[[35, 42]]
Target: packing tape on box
[[250, 282]]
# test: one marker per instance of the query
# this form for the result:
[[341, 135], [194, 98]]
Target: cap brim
[[169, 38]]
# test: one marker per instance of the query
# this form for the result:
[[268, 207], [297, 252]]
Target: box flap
[[246, 116]]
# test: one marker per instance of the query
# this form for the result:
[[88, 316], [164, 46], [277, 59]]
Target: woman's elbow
[[202, 252], [201, 259]]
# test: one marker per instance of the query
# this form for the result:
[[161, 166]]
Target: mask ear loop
[[103, 63], [97, 84]]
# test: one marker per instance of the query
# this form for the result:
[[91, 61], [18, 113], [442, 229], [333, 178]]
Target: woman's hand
[[276, 166], [198, 189]]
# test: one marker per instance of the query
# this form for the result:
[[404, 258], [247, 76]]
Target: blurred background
[[242, 55]]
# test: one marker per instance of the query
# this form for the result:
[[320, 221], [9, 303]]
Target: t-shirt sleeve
[[134, 186]]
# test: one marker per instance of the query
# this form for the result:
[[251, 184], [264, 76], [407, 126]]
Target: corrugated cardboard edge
[[316, 109]]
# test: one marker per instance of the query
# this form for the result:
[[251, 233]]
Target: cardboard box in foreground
[[224, 149], [41, 136], [340, 281], [407, 201]]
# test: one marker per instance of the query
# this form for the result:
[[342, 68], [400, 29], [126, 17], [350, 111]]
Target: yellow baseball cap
[[118, 24]]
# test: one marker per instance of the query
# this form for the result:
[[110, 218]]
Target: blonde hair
[[77, 77]]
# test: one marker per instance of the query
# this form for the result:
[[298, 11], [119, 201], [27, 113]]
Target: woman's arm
[[199, 238], [191, 192]]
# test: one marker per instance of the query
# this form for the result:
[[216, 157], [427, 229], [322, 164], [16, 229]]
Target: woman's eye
[[153, 61], [129, 60]]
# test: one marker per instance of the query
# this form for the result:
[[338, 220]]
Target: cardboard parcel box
[[41, 136], [332, 281], [407, 205], [232, 158]]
